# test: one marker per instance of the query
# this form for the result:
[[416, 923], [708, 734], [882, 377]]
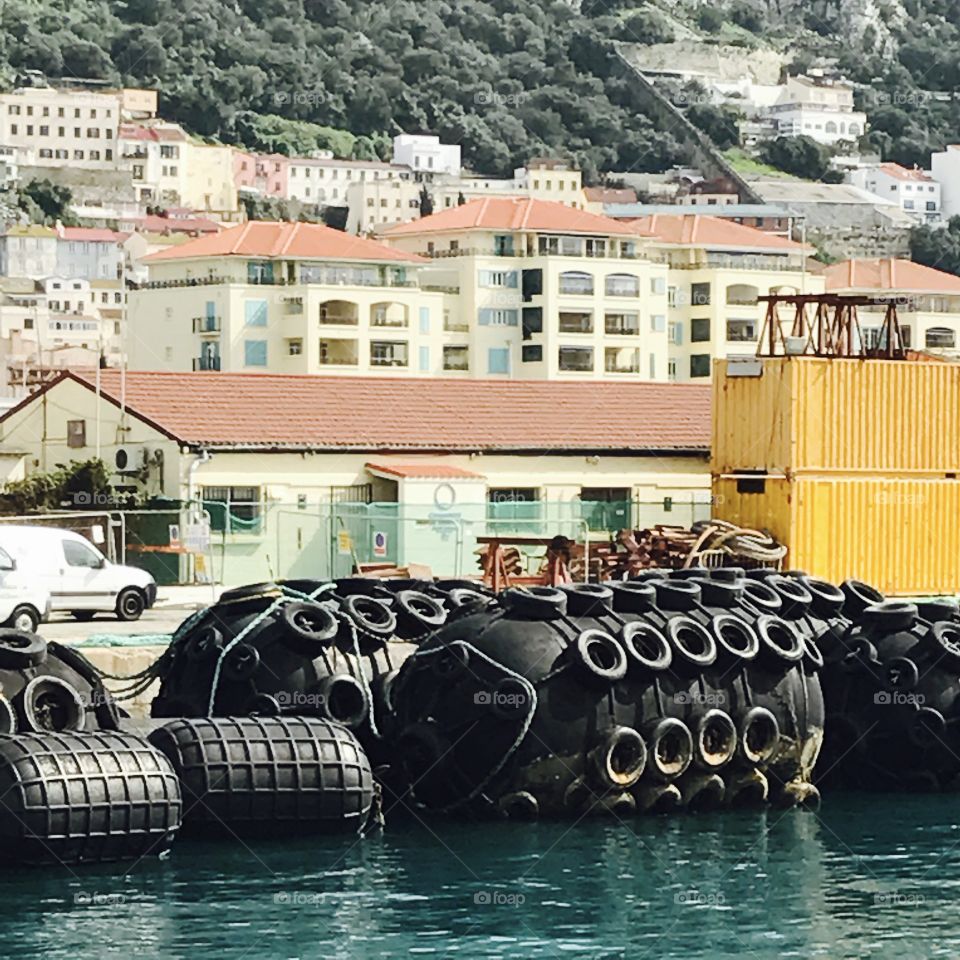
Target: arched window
[[622, 285], [574, 282], [941, 338]]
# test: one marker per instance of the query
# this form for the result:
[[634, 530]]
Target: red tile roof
[[901, 276], [610, 194], [424, 471], [90, 234], [136, 131], [152, 223], [297, 241], [904, 173], [512, 213], [700, 230], [409, 414]]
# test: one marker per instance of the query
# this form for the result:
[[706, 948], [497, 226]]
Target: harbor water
[[866, 876]]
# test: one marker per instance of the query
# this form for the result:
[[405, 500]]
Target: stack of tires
[[305, 648], [73, 788], [690, 691]]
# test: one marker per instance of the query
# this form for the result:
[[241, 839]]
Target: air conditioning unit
[[129, 459]]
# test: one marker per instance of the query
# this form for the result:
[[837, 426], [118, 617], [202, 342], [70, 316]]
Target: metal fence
[[201, 543]]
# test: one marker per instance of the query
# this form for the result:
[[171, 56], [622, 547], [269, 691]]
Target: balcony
[[622, 324], [621, 360], [388, 315], [339, 353], [339, 313], [575, 322], [207, 325], [389, 353], [206, 363], [576, 359]]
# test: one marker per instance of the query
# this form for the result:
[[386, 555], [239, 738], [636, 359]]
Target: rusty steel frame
[[830, 327]]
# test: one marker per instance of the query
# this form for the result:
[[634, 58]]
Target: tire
[[84, 616], [735, 637], [263, 705], [130, 604], [759, 735], [812, 655], [344, 700], [669, 748], [460, 597], [795, 599], [205, 644], [760, 597], [51, 705], [24, 618], [619, 760], [716, 740], [858, 596], [927, 729], [779, 640], [717, 593], [371, 615], [935, 611], [308, 628], [944, 641], [588, 599], [900, 675], [452, 661], [601, 656], [535, 603], [19, 650], [633, 596], [418, 611], [512, 699], [242, 662], [828, 599], [690, 573], [251, 591], [861, 657], [889, 616], [677, 595], [693, 645], [646, 647], [728, 574]]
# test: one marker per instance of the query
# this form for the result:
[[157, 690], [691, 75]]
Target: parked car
[[78, 577], [24, 602]]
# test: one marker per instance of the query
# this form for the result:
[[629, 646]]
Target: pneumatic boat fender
[[70, 798], [277, 776]]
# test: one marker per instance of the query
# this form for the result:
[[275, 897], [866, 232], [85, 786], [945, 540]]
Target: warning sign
[[379, 543], [344, 543]]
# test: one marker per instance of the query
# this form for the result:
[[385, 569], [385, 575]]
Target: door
[[84, 582]]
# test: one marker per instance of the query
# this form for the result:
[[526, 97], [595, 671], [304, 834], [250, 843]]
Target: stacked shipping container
[[853, 464]]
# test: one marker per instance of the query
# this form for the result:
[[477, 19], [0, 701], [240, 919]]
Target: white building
[[819, 108], [914, 191], [426, 155], [945, 170]]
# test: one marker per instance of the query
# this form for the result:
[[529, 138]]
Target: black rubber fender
[[779, 640], [600, 655], [619, 759], [535, 603], [588, 599], [693, 645], [20, 650], [889, 616], [735, 637], [646, 646], [308, 628], [633, 596], [828, 599], [678, 595]]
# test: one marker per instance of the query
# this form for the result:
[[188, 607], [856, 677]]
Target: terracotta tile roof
[[410, 414], [424, 471], [902, 276], [136, 131], [156, 224], [298, 241], [512, 213], [904, 173], [698, 230], [610, 195], [90, 234]]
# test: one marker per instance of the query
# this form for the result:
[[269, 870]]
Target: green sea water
[[865, 876]]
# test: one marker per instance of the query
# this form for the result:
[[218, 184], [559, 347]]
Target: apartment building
[[928, 301], [357, 184], [285, 298], [914, 191], [155, 154], [545, 291], [264, 174], [945, 170], [37, 252], [426, 155], [717, 269], [49, 127], [819, 107]]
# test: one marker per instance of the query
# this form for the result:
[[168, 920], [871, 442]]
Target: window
[[425, 320], [498, 360], [80, 554], [76, 433], [622, 324], [498, 278], [700, 294], [699, 330], [294, 347], [671, 369], [44, 130], [259, 271], [905, 336], [658, 285], [233, 509], [532, 284], [941, 338], [456, 358], [575, 322], [741, 331], [621, 360], [491, 317], [700, 365], [658, 323], [389, 353], [531, 353], [578, 359], [255, 313], [255, 353], [576, 284], [503, 246], [622, 285], [424, 359]]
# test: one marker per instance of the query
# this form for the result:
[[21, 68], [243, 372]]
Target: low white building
[[426, 154], [817, 107], [914, 191], [945, 170]]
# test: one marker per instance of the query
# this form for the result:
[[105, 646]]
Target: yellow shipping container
[[811, 415], [901, 535]]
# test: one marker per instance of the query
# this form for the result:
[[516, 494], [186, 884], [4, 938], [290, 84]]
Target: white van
[[24, 602], [78, 577]]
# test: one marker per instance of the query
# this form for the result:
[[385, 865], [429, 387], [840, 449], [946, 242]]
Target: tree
[[461, 199], [720, 124], [648, 26], [802, 156], [69, 485], [426, 202], [937, 247], [46, 202]]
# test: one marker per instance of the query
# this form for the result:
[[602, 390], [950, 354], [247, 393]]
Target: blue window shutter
[[486, 316], [483, 279], [255, 353], [512, 318], [512, 279], [255, 313], [211, 310], [424, 319], [424, 359], [498, 360]]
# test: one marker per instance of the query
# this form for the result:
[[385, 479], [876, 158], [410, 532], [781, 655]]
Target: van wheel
[[130, 604], [25, 619], [83, 615]]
